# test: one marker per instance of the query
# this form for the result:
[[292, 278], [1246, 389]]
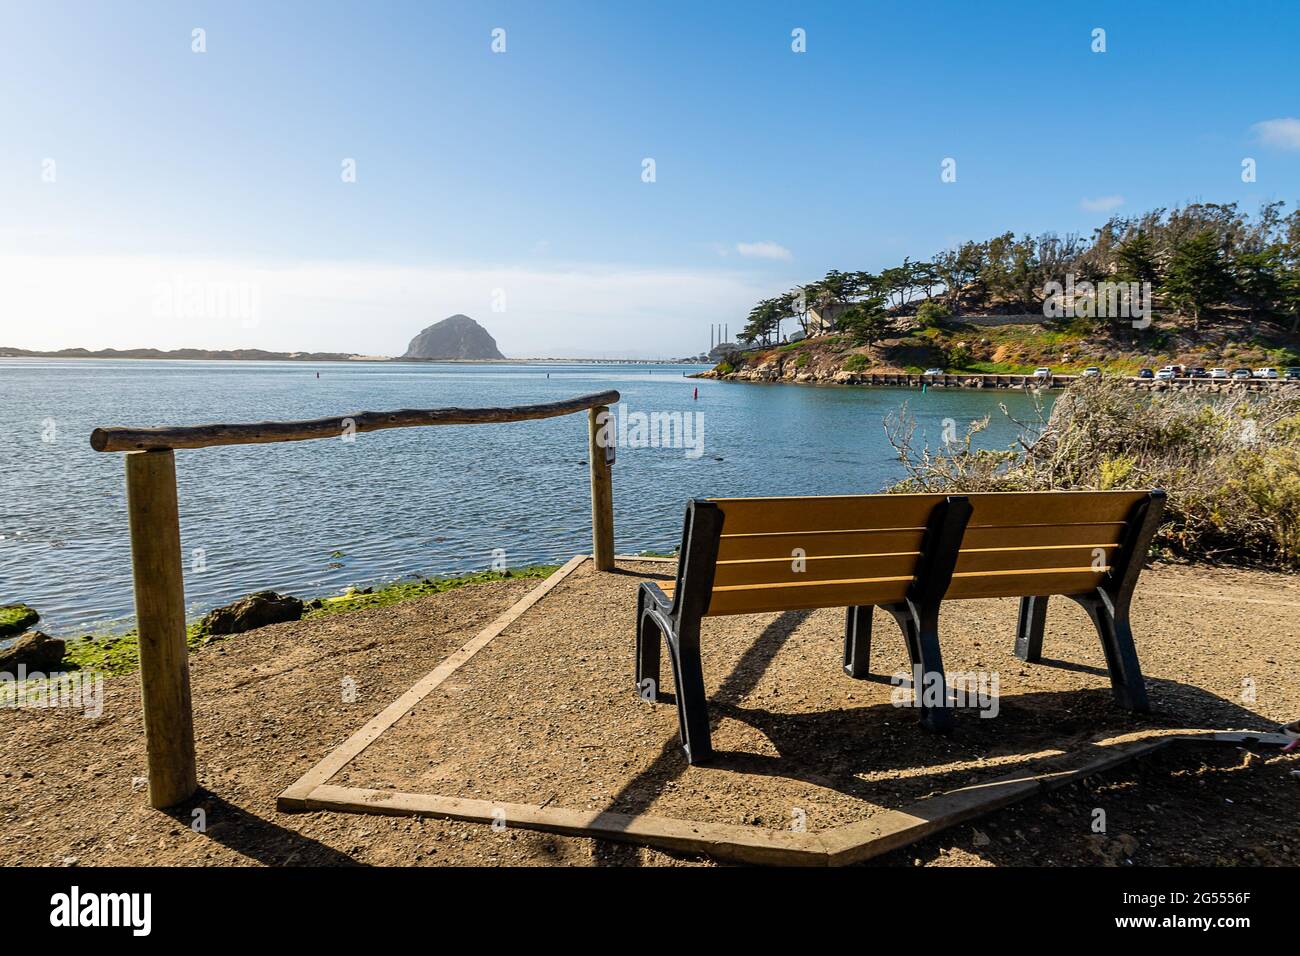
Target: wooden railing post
[[160, 620], [602, 486]]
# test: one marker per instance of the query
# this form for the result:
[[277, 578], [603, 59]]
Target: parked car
[[1092, 372], [1042, 372], [1176, 371], [1292, 374], [1218, 373], [1265, 372], [1197, 372], [1166, 374], [1146, 373], [933, 371], [1240, 374]]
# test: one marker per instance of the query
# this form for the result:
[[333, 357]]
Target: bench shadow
[[860, 751], [252, 836], [836, 749]]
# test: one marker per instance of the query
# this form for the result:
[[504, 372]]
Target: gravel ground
[[1184, 806], [546, 713]]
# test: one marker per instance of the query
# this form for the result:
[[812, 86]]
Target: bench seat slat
[[739, 547], [1033, 535], [1031, 559], [1024, 583], [815, 568], [759, 598], [840, 512]]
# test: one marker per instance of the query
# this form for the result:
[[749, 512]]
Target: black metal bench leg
[[648, 638], [1121, 656], [692, 705], [1029, 630], [857, 641], [936, 712], [929, 684]]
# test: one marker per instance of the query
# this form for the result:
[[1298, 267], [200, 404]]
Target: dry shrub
[[1229, 462]]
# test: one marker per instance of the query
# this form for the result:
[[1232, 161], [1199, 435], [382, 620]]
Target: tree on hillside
[[906, 280], [1198, 276], [795, 304], [839, 286], [1290, 298], [764, 322], [867, 322], [958, 268], [1022, 273], [1136, 258], [1057, 256], [1259, 278], [925, 276]]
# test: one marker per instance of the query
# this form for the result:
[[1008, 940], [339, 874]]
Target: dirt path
[[547, 711]]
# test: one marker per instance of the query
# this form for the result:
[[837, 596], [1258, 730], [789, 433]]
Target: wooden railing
[[154, 519]]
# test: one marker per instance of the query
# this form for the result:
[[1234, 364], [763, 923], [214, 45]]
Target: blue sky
[[515, 178]]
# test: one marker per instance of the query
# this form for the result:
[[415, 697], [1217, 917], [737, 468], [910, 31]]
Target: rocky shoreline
[[774, 372]]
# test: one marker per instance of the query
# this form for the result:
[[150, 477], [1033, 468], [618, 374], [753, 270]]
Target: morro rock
[[458, 337]]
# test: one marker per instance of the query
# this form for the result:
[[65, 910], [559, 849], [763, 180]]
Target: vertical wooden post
[[160, 620], [602, 488]]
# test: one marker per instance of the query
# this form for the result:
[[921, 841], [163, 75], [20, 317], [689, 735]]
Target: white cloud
[[1102, 203], [763, 250], [1283, 133], [578, 309]]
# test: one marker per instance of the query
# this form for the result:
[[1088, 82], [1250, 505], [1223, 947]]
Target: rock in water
[[16, 618], [256, 610], [38, 651], [457, 337]]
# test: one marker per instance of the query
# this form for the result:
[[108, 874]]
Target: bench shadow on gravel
[[833, 748], [258, 839]]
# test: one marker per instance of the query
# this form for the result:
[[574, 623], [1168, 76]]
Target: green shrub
[[856, 362], [931, 313], [1230, 464], [724, 368]]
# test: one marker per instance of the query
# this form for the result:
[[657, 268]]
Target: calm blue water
[[313, 517]]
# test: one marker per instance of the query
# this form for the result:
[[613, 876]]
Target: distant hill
[[455, 337], [250, 355]]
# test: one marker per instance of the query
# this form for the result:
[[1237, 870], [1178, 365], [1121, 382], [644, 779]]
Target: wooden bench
[[905, 554]]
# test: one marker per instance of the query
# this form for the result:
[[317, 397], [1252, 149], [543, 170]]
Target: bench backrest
[[777, 554]]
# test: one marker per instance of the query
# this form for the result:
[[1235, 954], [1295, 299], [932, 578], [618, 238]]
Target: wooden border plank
[[731, 842], [295, 796], [838, 846]]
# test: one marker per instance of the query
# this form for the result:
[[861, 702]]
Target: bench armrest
[[657, 595]]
